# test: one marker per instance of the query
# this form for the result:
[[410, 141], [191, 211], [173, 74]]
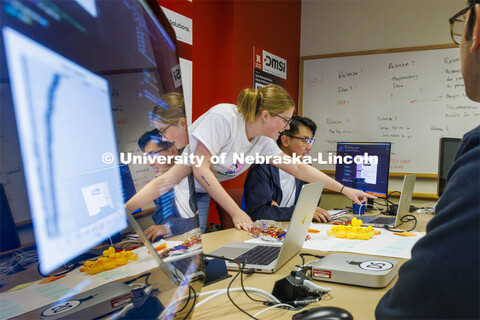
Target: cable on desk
[[146, 275], [241, 267], [405, 219], [302, 255], [194, 300], [56, 274], [272, 307], [19, 257], [188, 299]]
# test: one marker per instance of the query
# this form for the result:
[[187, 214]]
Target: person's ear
[[265, 115], [284, 139], [174, 150], [476, 30], [182, 122]]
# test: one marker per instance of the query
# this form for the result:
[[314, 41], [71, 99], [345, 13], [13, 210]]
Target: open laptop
[[269, 258], [403, 207]]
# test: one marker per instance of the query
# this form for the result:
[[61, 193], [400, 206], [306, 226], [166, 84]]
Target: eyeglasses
[[162, 132], [306, 141], [457, 25], [152, 155], [286, 120]]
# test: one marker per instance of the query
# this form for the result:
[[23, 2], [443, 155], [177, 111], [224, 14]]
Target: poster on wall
[[268, 68]]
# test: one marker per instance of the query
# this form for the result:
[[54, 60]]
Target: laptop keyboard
[[382, 220], [259, 255]]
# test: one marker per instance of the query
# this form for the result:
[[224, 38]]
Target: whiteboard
[[410, 97]]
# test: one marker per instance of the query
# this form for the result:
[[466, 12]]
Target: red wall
[[224, 35]]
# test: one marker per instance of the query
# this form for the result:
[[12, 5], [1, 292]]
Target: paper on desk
[[21, 286], [14, 303], [386, 244]]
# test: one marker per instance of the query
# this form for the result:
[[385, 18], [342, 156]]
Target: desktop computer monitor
[[67, 70], [9, 239], [353, 161], [67, 67], [447, 151], [59, 61], [128, 185]]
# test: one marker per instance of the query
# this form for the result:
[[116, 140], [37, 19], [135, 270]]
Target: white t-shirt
[[182, 197], [222, 130], [288, 185]]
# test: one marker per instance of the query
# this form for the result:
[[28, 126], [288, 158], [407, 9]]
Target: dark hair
[[153, 136], [471, 19], [298, 121]]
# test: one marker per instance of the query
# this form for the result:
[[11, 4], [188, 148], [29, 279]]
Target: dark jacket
[[262, 186], [166, 212], [441, 280]]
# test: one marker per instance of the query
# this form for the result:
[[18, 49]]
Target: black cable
[[233, 302], [309, 255], [405, 219], [392, 192], [242, 267], [188, 300], [194, 301], [56, 274], [381, 204], [146, 275], [231, 282], [341, 218]]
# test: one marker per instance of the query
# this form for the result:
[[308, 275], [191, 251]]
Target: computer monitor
[[128, 185], [67, 68], [9, 239], [353, 161], [57, 62], [447, 151]]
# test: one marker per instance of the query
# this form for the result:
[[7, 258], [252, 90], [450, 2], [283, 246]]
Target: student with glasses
[[441, 280], [173, 215], [248, 128], [170, 120], [271, 193]]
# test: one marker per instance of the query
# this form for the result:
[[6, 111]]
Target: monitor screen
[[8, 233], [127, 184], [447, 151], [59, 60], [353, 161]]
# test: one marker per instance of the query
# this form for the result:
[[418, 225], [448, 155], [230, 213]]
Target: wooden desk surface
[[360, 301]]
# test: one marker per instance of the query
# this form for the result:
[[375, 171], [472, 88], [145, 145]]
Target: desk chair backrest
[[225, 218]]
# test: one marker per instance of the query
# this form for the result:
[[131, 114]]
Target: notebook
[[403, 207], [269, 258]]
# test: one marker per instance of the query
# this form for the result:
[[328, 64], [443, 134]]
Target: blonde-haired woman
[[170, 120], [251, 127]]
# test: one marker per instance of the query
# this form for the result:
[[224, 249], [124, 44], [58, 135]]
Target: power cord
[[405, 219], [241, 267]]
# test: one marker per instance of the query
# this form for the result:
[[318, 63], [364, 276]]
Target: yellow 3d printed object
[[109, 261], [353, 231]]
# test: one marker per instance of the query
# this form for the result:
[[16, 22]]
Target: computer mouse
[[323, 313]]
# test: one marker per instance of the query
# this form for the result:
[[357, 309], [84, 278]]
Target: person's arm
[[157, 230], [209, 182], [158, 186], [310, 174], [321, 215], [260, 195]]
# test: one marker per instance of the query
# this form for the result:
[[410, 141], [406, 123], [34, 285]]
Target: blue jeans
[[203, 203]]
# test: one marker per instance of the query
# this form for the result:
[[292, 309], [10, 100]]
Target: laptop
[[403, 207], [268, 258]]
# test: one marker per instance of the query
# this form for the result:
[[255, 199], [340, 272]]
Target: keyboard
[[259, 255], [381, 220]]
